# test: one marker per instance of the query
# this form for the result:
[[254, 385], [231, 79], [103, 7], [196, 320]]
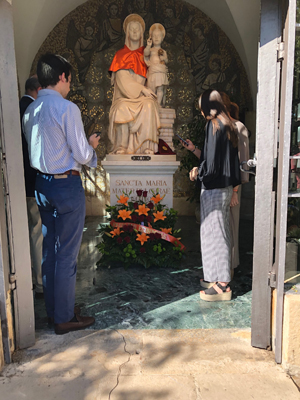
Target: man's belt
[[69, 172]]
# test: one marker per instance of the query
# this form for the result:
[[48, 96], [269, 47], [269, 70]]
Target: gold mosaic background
[[200, 57]]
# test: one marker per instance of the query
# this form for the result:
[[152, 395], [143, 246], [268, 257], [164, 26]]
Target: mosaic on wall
[[200, 57]]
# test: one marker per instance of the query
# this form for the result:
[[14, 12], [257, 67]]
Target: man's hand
[[194, 174], [94, 140], [149, 93]]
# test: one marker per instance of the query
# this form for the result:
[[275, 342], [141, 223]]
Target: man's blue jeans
[[62, 206]]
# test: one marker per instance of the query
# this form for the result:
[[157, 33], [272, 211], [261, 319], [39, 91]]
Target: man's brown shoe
[[81, 323], [77, 311]]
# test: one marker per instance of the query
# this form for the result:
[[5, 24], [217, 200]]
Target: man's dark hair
[[50, 67], [32, 83]]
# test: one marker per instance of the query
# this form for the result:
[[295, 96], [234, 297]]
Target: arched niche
[[200, 57]]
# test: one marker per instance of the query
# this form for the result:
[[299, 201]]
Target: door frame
[[20, 279], [266, 137], [274, 108]]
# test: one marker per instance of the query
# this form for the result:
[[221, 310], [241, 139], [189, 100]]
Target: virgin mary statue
[[134, 114]]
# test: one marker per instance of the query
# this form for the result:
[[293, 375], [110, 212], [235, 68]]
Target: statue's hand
[[148, 93], [149, 41], [161, 52]]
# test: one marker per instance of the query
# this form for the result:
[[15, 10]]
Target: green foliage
[[293, 218], [129, 244], [294, 233], [195, 131]]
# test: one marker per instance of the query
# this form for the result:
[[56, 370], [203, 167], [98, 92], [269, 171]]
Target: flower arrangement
[[140, 232]]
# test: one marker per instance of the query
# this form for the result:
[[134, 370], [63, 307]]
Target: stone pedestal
[[141, 172], [167, 118]]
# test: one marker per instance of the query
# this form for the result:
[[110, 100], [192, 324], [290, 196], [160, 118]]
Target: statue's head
[[157, 32], [134, 28]]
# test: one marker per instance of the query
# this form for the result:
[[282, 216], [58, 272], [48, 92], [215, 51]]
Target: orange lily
[[116, 232], [142, 210], [159, 215], [124, 214], [157, 198], [123, 200], [166, 230], [142, 238]]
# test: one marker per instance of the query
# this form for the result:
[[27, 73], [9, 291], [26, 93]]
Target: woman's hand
[[194, 174], [234, 199], [190, 146]]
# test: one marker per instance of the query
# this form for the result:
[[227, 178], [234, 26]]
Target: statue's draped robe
[[133, 118]]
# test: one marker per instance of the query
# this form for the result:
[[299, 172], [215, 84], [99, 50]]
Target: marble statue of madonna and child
[[134, 115]]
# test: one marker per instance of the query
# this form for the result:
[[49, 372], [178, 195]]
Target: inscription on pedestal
[[147, 184], [141, 158], [153, 176]]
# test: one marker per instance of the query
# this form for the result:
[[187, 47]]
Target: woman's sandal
[[206, 284], [212, 295]]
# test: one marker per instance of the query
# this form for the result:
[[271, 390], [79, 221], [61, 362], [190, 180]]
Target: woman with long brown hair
[[243, 152], [219, 174]]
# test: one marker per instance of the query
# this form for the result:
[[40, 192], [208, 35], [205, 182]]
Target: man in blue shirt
[[32, 87], [58, 148]]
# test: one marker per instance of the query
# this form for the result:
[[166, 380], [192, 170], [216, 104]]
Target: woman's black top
[[219, 161]]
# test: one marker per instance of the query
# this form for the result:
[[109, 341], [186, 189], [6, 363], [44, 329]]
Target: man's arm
[[82, 151]]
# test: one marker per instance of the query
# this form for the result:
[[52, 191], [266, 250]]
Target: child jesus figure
[[156, 59]]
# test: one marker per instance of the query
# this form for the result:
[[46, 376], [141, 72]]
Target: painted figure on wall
[[198, 52], [111, 27], [156, 59], [133, 118], [144, 13], [83, 47], [216, 79], [171, 24]]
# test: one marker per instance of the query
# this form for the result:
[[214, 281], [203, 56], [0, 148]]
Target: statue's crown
[[133, 18]]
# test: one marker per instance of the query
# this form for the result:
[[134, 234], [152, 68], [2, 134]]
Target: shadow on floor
[[158, 298]]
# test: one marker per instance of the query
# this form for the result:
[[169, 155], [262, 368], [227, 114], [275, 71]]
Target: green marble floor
[[158, 298]]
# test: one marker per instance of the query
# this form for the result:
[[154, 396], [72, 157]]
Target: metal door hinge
[[13, 280], [280, 51], [272, 279]]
